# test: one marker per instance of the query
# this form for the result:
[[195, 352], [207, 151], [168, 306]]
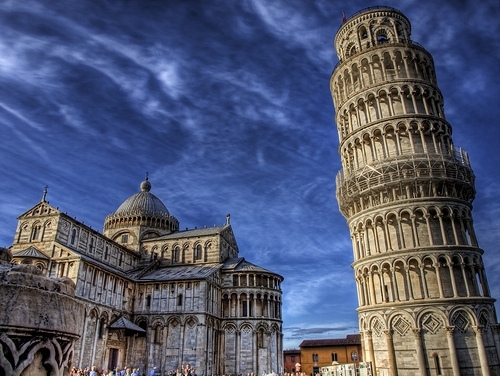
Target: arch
[[176, 253], [415, 277], [198, 254], [383, 35], [401, 323], [377, 325], [142, 322], [430, 277]]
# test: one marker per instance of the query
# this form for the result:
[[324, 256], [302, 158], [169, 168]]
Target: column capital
[[479, 329], [450, 330], [368, 334], [417, 332], [388, 333]]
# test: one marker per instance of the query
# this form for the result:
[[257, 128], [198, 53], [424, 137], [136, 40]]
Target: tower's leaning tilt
[[406, 191]]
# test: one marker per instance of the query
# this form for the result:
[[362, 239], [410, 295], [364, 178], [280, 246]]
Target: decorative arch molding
[[230, 327], [246, 326], [432, 321], [157, 320], [142, 319], [191, 321], [174, 321], [463, 318]]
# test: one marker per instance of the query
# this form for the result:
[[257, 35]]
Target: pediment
[[41, 209], [31, 252]]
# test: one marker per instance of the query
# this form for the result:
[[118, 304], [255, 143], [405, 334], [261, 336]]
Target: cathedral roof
[[143, 203], [190, 233], [239, 264], [123, 323], [350, 339], [175, 273], [31, 252]]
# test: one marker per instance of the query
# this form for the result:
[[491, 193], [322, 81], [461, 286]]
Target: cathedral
[[154, 295], [406, 191]]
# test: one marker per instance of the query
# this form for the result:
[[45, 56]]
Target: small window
[[148, 301], [292, 358], [102, 323], [315, 358], [120, 259], [382, 38], [177, 254], [124, 239], [179, 299], [198, 252], [354, 356], [94, 282], [91, 245], [73, 236], [245, 309], [437, 364], [334, 357], [157, 338], [106, 253], [36, 232]]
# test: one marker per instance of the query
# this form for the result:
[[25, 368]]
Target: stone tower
[[406, 192]]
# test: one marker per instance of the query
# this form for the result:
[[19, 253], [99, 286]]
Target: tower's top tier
[[371, 27]]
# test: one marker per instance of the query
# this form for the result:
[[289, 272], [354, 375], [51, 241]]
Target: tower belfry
[[406, 192]]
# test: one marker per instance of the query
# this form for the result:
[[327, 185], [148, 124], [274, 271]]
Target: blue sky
[[226, 104]]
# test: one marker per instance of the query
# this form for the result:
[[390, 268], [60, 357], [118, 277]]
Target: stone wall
[[40, 321]]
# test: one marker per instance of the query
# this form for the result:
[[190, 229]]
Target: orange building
[[290, 358], [316, 353]]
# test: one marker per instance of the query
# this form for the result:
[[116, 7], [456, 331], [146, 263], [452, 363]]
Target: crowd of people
[[129, 371], [94, 371]]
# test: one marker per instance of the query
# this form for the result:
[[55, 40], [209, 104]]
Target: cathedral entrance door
[[113, 358]]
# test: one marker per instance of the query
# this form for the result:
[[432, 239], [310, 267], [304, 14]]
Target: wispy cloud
[[227, 106]]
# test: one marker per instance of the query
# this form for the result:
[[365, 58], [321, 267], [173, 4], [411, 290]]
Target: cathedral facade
[[156, 296], [406, 191]]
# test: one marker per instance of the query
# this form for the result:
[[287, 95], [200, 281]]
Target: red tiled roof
[[351, 339]]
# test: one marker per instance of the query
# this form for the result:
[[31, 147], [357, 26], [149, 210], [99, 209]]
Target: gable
[[41, 209]]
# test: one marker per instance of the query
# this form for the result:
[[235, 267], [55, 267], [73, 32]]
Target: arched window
[[35, 233], [198, 252], [157, 338], [177, 254], [73, 236], [382, 38], [260, 338], [102, 324], [143, 325], [354, 356], [148, 301]]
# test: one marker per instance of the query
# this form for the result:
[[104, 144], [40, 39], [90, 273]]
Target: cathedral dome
[[142, 214], [143, 203]]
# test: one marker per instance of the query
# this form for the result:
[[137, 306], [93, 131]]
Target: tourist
[[298, 370]]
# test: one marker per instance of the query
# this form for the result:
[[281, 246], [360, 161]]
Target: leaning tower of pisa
[[406, 191]]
